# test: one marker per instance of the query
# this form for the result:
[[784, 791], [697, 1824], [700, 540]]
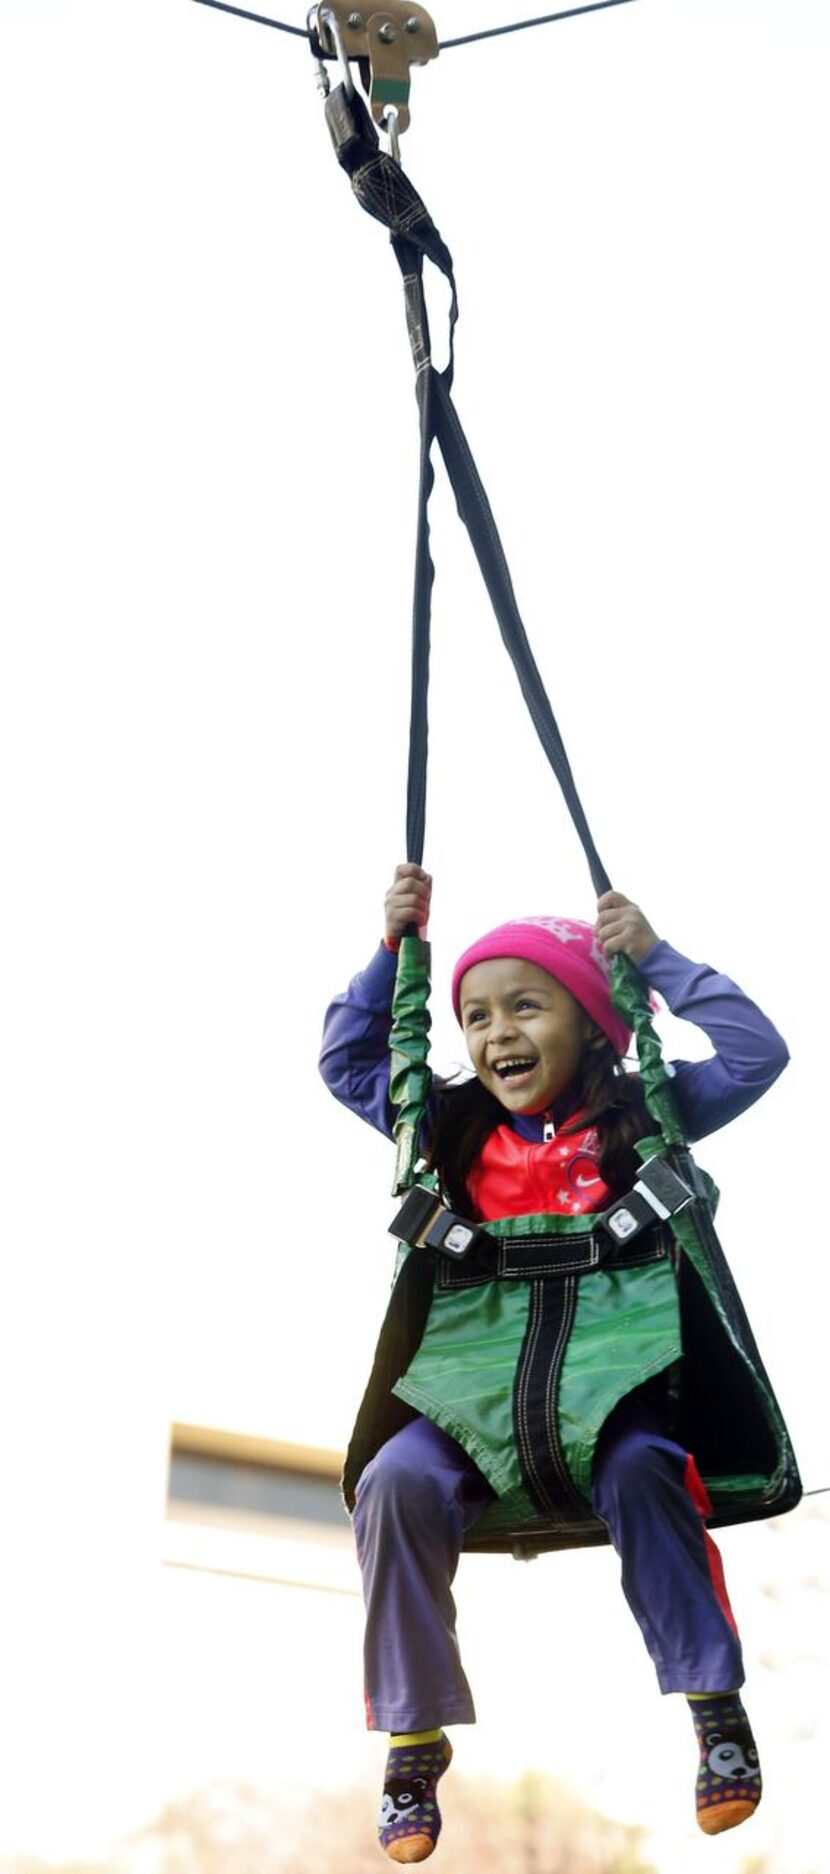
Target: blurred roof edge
[[243, 1447]]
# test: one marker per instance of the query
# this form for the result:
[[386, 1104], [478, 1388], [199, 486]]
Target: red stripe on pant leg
[[700, 1497]]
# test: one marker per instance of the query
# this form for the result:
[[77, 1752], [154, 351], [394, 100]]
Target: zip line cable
[[444, 45], [260, 18], [520, 26]]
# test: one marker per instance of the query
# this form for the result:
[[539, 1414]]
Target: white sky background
[[210, 449]]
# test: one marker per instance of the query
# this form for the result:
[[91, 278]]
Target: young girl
[[546, 1127]]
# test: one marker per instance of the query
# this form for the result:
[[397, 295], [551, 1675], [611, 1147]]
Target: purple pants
[[419, 1495]]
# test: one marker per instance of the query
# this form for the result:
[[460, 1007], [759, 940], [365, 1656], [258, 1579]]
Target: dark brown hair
[[603, 1095]]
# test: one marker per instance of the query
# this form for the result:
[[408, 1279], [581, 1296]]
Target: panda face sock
[[728, 1788], [410, 1819]]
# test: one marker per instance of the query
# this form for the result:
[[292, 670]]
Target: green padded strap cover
[[410, 1078], [630, 996]]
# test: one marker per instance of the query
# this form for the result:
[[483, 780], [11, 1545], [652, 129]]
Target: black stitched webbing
[[535, 1418], [387, 194]]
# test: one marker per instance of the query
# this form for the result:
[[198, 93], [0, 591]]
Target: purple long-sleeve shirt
[[749, 1052]]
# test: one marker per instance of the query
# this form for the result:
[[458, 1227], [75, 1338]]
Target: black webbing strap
[[385, 192], [476, 513]]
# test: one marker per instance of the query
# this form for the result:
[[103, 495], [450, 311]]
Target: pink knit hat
[[565, 948]]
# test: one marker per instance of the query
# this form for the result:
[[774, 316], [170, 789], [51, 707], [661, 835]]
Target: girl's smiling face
[[525, 1032]]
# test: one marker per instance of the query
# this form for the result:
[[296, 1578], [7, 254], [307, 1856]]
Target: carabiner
[[324, 17]]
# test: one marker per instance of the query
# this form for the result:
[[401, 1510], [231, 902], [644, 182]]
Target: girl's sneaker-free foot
[[728, 1788], [410, 1819]]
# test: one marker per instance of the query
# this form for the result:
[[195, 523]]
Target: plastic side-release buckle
[[427, 1223], [658, 1194]]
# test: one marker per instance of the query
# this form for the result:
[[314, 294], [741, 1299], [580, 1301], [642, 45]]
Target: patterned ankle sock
[[728, 1788], [410, 1819]]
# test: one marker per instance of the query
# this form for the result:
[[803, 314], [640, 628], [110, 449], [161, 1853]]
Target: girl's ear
[[595, 1039]]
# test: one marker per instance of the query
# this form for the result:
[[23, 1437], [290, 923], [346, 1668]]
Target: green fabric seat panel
[[462, 1375], [626, 1328], [528, 1351], [622, 1326]]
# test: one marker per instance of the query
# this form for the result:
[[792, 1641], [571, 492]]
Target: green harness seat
[[522, 1352], [523, 1362], [522, 1349]]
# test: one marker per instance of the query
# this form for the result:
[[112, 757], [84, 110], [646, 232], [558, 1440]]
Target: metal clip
[[391, 126], [391, 38], [325, 17]]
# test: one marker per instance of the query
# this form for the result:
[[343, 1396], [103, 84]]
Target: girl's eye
[[474, 1015], [526, 1002]]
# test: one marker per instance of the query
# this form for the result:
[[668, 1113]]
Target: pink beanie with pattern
[[568, 950]]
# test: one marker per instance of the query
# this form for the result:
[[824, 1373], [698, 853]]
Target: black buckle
[[658, 1194], [427, 1223]]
